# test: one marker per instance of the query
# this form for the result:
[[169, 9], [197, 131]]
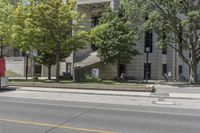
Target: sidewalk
[[188, 96]]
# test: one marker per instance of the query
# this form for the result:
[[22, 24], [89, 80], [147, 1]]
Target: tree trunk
[[49, 72], [57, 62], [193, 73]]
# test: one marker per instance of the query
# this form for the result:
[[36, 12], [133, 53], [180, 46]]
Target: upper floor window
[[148, 41], [164, 47], [95, 21]]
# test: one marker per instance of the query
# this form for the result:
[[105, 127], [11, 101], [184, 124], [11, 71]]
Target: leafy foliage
[[114, 39], [48, 26], [5, 23], [175, 21], [177, 24]]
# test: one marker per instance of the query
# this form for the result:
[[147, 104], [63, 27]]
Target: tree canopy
[[177, 24], [114, 39], [52, 27], [5, 23]]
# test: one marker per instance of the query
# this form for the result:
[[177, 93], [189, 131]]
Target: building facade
[[155, 64], [152, 63]]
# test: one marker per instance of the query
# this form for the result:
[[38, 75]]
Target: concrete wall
[[107, 71], [53, 70], [136, 68]]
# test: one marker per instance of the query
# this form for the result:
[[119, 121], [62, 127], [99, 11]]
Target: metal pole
[[175, 65], [27, 66], [147, 65], [33, 71], [73, 65]]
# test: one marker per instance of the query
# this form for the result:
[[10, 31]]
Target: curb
[[152, 95], [134, 89]]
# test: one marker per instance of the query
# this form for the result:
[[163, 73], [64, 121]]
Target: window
[[147, 70], [68, 68], [180, 70], [164, 47], [164, 50], [148, 40], [38, 69], [164, 68], [95, 22]]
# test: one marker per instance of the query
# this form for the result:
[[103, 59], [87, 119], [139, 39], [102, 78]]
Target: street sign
[[2, 67]]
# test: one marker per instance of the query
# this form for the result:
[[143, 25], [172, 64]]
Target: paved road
[[18, 115]]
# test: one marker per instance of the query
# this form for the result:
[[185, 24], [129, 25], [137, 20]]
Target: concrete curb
[[87, 87]]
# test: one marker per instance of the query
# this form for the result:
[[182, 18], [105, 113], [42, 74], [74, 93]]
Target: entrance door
[[147, 70]]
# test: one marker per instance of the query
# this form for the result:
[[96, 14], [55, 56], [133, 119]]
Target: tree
[[177, 24], [5, 23], [114, 39], [49, 26]]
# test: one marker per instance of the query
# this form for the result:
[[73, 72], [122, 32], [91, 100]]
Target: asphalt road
[[19, 115]]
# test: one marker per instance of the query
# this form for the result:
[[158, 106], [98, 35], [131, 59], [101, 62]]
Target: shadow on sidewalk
[[7, 89]]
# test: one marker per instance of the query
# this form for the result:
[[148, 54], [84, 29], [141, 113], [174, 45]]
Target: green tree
[[52, 27], [175, 21], [114, 39], [177, 24], [5, 23]]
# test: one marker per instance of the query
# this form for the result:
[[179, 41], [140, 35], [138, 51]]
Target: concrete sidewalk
[[112, 93]]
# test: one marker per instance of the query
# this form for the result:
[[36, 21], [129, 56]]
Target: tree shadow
[[7, 89]]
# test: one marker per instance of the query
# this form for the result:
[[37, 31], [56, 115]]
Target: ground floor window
[[68, 68], [38, 69], [147, 71], [164, 68], [180, 70], [122, 70]]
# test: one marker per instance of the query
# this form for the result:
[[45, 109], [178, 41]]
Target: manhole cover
[[163, 103]]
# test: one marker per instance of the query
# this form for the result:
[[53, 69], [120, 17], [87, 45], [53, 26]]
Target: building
[[153, 63], [162, 64]]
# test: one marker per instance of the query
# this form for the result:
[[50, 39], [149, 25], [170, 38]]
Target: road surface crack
[[74, 118]]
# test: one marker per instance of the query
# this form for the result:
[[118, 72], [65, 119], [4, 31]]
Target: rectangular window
[[68, 68], [164, 50], [164, 68], [180, 70], [148, 41], [147, 70], [164, 47], [95, 21]]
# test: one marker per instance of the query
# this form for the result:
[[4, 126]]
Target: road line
[[104, 108], [47, 104], [52, 125]]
